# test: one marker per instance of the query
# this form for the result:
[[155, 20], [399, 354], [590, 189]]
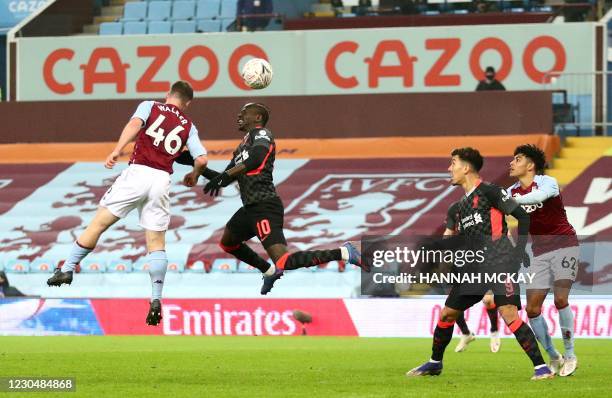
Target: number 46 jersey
[[165, 131]]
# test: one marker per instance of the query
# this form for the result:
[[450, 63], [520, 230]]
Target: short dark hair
[[469, 155], [533, 153], [183, 90], [490, 69], [261, 109]]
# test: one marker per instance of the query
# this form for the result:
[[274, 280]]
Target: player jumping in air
[[452, 228], [262, 213], [161, 131], [480, 215], [555, 249]]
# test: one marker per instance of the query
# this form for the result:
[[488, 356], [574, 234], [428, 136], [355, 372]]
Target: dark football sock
[[524, 335], [492, 312], [310, 258], [442, 336], [244, 253], [462, 324]]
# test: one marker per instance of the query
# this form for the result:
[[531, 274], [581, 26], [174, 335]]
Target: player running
[[262, 213], [480, 216], [161, 131], [555, 250], [452, 228]]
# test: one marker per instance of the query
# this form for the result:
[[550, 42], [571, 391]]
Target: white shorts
[[145, 188], [553, 266]]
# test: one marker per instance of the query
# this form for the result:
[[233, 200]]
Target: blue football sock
[[158, 264], [540, 329], [566, 320], [77, 253]]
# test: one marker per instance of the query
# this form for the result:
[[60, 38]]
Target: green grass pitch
[[310, 367]]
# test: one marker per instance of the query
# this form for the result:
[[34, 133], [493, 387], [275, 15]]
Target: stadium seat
[[208, 9], [226, 265], [209, 25], [184, 27], [197, 266], [176, 266], [229, 9], [42, 265], [17, 266], [134, 28], [227, 24], [92, 266], [160, 27], [111, 28], [141, 266], [144, 266], [246, 268], [119, 266], [183, 9], [135, 11], [159, 10]]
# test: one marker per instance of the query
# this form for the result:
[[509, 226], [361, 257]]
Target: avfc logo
[[340, 207]]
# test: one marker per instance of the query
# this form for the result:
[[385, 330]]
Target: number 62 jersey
[[165, 131]]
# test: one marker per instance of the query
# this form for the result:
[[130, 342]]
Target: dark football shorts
[[461, 298], [264, 220]]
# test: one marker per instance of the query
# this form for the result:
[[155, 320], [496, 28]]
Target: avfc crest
[[341, 207]]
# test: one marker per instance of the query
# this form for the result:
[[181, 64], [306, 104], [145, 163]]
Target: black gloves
[[216, 183], [521, 257], [209, 174], [526, 260]]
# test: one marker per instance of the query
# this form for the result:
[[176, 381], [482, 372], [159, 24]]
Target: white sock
[[566, 321], [345, 253], [158, 264], [77, 253]]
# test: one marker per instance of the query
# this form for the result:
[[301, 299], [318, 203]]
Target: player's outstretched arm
[[502, 201], [129, 133], [547, 188], [199, 164], [185, 158], [197, 153], [256, 158], [523, 234]]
